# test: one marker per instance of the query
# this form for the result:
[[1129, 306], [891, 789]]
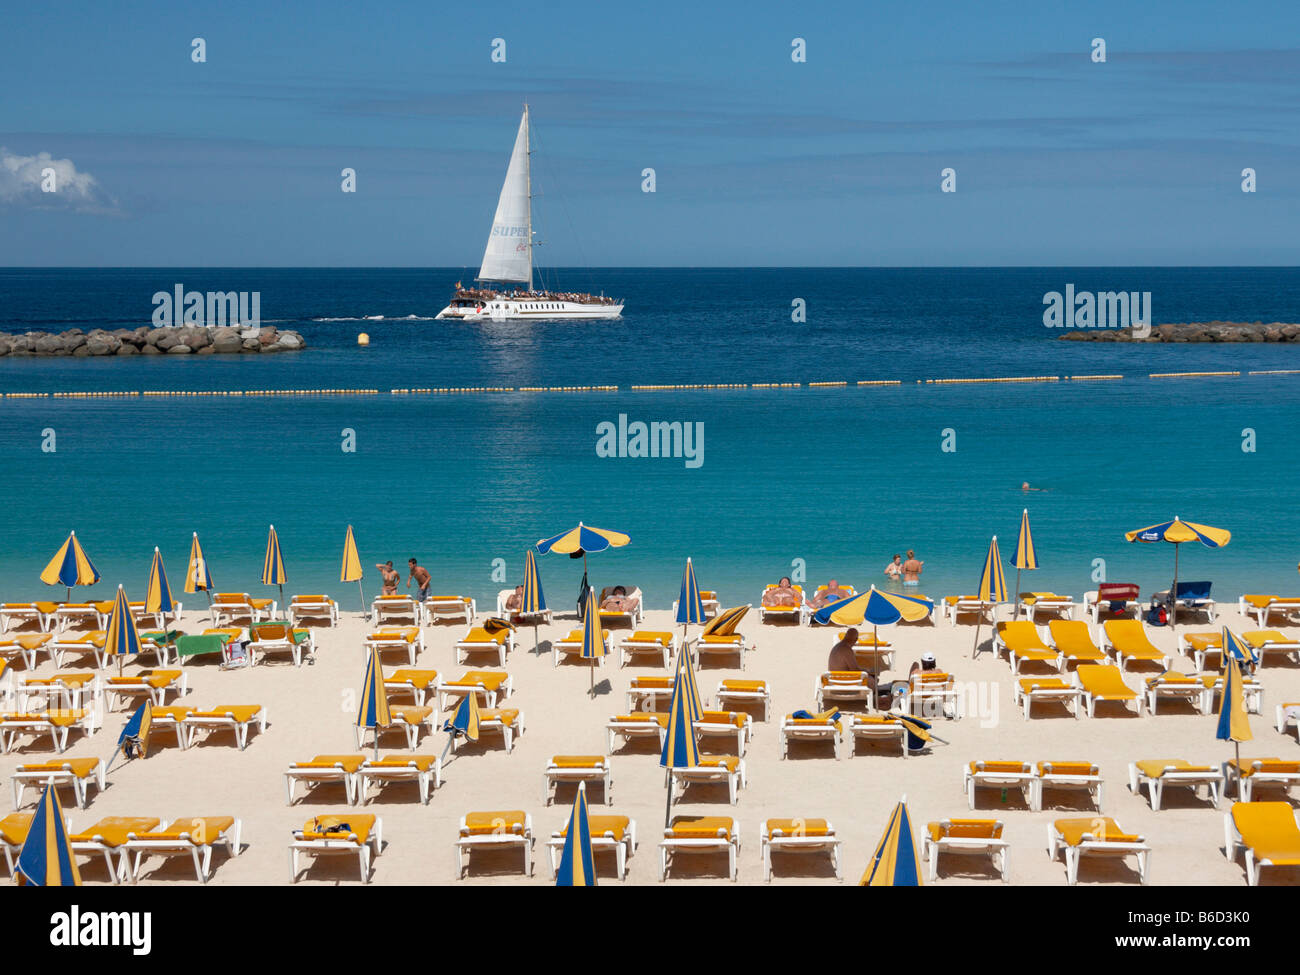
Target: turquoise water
[[840, 478]]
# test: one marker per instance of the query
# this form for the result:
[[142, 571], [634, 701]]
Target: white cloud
[[22, 179]]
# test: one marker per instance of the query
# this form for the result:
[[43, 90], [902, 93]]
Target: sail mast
[[528, 183]]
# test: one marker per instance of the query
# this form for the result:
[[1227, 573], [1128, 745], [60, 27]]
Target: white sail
[[509, 253]]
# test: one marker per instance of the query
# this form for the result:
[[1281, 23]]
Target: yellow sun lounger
[[1252, 772], [609, 834], [1073, 644], [352, 833], [424, 770], [234, 607], [325, 770], [744, 692], [1252, 691], [407, 639], [477, 639], [1263, 606], [1034, 603], [269, 638], [406, 718], [656, 643], [503, 597], [1266, 831], [1072, 776], [1202, 647], [235, 717], [78, 645], [152, 684], [934, 694], [871, 653], [712, 770], [578, 768], [80, 773], [571, 646], [491, 686], [1047, 690], [700, 834], [417, 683], [1098, 836], [999, 775], [194, 837], [645, 692], [823, 726], [1157, 773], [158, 620], [639, 725], [1265, 642], [1288, 716], [1104, 682], [26, 647], [94, 613], [737, 724], [316, 606], [494, 830], [72, 689], [1128, 639], [173, 717], [799, 836], [954, 606], [13, 834], [396, 607], [58, 724], [630, 617], [873, 728], [108, 838], [720, 645], [38, 613], [508, 721], [1175, 686], [842, 685], [450, 608], [797, 614], [708, 599], [966, 837]]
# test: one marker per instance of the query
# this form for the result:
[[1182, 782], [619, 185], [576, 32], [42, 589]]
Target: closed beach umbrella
[[725, 623], [992, 587], [273, 563], [374, 712], [464, 723], [71, 566], [1233, 725], [351, 569], [46, 858], [690, 607], [158, 593], [1026, 555], [122, 638], [197, 576], [577, 862], [874, 607], [593, 636], [1177, 532], [894, 863], [533, 601], [581, 541], [681, 750], [133, 742]]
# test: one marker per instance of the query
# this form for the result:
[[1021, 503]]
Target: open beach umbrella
[[122, 638], [875, 607], [593, 636], [533, 601], [71, 566], [273, 563], [197, 576], [577, 862], [351, 569], [582, 540], [894, 863], [133, 742], [374, 712], [690, 607], [46, 859], [464, 723], [1177, 532], [1233, 725], [992, 587], [158, 592], [1026, 556], [681, 750]]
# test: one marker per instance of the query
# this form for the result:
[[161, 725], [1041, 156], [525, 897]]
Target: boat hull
[[502, 309]]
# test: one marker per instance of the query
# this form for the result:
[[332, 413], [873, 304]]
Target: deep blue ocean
[[840, 478]]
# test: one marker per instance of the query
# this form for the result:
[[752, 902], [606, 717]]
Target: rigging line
[[573, 233]]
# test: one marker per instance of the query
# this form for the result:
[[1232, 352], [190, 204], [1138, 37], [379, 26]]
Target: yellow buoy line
[[1189, 375], [995, 379]]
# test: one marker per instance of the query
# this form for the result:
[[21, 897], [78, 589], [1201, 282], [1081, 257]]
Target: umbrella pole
[[282, 597], [1016, 595], [668, 806], [976, 644], [1173, 593], [536, 642], [361, 590]]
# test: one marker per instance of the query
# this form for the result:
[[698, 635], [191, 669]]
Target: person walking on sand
[[421, 576], [390, 577], [912, 569]]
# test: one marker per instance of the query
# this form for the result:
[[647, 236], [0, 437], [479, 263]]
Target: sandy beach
[[312, 711]]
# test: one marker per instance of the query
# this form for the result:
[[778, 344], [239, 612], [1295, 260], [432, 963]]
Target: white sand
[[312, 711]]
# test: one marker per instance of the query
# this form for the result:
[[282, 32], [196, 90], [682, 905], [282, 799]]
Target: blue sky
[[759, 160]]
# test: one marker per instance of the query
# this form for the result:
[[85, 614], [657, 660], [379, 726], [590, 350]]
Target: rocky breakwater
[[1194, 332], [146, 340]]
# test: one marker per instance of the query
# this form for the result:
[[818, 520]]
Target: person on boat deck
[[390, 577], [618, 601], [782, 594], [515, 599], [832, 593]]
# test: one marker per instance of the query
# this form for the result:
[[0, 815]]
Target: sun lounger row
[[1096, 683], [58, 723], [1265, 607], [357, 774], [188, 722], [393, 608], [833, 727], [1265, 645], [1031, 780]]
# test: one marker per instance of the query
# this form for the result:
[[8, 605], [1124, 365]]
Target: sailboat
[[504, 284]]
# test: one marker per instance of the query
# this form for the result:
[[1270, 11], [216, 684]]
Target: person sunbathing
[[831, 594], [842, 654], [618, 601], [782, 594], [515, 599]]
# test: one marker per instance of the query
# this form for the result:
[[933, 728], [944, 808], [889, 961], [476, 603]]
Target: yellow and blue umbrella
[[577, 862], [1233, 726], [122, 638], [1177, 532], [582, 540], [463, 724], [894, 863], [158, 593], [197, 576], [725, 623], [374, 712], [681, 750], [351, 568], [992, 587], [874, 607], [133, 742], [1026, 555], [273, 563], [46, 859], [533, 601], [690, 605], [71, 566], [593, 636]]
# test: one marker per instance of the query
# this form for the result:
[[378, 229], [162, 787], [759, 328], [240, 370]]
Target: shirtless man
[[421, 576], [515, 599], [832, 593], [391, 578], [782, 594], [842, 656], [912, 569]]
